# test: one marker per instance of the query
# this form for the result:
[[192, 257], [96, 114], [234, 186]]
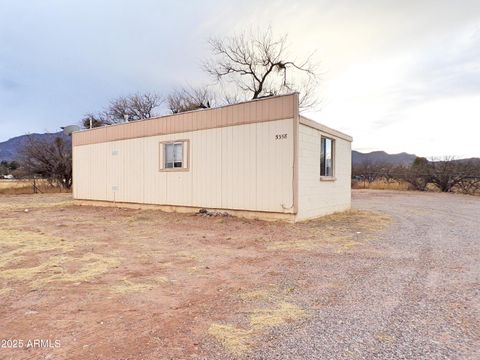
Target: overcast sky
[[396, 75]]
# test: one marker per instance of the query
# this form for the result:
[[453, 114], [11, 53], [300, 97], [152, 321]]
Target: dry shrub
[[382, 185]]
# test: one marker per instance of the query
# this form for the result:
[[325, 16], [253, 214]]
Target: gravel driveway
[[414, 295]]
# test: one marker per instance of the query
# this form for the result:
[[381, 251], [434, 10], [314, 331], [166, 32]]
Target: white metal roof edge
[[316, 125]]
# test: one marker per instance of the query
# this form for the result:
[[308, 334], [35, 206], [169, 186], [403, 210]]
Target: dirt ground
[[113, 283]]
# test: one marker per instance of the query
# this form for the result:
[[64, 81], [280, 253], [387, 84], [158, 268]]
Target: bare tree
[[135, 107], [446, 173], [189, 99], [50, 159], [366, 171], [470, 184], [258, 65], [132, 107]]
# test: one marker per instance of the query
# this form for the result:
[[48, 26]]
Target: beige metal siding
[[316, 197], [231, 167], [267, 109], [90, 172]]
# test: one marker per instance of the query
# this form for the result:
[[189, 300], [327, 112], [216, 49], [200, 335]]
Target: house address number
[[280, 136]]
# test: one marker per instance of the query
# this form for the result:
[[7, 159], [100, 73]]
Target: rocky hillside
[[10, 149]]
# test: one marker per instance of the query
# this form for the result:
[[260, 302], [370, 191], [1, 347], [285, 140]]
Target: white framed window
[[327, 156], [173, 155]]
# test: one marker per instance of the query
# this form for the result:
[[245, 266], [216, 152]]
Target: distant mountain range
[[381, 157], [10, 149]]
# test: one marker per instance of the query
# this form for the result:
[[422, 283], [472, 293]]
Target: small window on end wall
[[326, 156], [173, 155]]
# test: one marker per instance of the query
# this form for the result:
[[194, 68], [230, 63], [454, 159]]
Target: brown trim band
[[261, 110]]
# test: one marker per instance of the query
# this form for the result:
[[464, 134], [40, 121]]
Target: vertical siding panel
[[148, 179], [132, 174], [109, 167], [239, 167], [100, 156], [223, 166]]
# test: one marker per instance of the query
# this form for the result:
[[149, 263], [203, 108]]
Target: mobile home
[[258, 159]]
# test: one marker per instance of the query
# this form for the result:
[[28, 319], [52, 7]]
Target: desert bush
[[50, 160]]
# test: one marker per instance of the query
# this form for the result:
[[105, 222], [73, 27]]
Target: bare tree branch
[[182, 100], [134, 107], [258, 64]]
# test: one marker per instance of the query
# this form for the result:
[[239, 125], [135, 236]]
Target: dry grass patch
[[265, 318], [5, 291], [63, 269], [259, 294], [294, 245], [233, 339], [27, 203], [51, 253], [29, 241], [349, 245], [185, 255], [238, 340], [127, 286], [15, 244], [353, 219], [382, 185], [343, 231], [91, 267]]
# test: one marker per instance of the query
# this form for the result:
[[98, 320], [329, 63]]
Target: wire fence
[[27, 185]]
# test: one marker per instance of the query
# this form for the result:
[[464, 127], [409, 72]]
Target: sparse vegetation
[[445, 175]]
